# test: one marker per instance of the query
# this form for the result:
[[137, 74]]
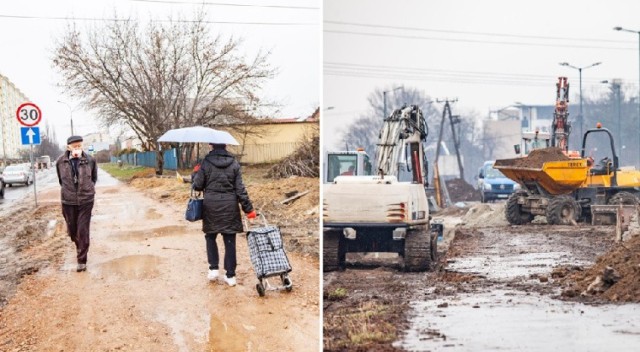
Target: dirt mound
[[535, 159], [485, 215], [461, 191], [30, 241], [614, 277]]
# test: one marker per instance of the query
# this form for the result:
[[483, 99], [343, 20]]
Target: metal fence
[[148, 159]]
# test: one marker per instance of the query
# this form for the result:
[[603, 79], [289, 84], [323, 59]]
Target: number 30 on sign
[[29, 114]]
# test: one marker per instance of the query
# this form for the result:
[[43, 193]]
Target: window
[[341, 164]]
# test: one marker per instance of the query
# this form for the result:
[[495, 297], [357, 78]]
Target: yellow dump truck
[[565, 189]]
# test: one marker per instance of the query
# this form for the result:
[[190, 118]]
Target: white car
[[14, 174]]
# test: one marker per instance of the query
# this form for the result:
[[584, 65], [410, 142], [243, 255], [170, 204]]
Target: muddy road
[[495, 288], [146, 288]]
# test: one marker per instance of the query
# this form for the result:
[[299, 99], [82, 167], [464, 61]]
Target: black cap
[[74, 139]]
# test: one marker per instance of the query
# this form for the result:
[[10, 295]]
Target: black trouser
[[78, 219], [229, 240]]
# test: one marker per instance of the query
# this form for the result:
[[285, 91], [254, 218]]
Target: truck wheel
[[333, 254], [624, 198], [513, 210], [563, 210], [417, 250]]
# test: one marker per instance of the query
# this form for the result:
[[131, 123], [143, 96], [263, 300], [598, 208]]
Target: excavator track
[[417, 250], [333, 255]]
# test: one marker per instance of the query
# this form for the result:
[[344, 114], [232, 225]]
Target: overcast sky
[[27, 47], [489, 54]]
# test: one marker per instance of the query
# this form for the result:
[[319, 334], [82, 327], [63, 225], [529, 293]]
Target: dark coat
[[82, 192], [220, 178]]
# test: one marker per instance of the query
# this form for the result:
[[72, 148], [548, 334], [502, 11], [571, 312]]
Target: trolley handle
[[247, 223]]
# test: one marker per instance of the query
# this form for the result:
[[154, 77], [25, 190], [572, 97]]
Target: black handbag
[[194, 207]]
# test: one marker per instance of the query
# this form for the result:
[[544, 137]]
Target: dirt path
[[492, 279], [145, 289]]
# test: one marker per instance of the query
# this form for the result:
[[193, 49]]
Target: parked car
[[14, 174], [493, 185], [1, 187]]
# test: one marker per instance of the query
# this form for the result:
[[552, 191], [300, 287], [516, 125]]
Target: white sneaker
[[231, 281], [213, 275]]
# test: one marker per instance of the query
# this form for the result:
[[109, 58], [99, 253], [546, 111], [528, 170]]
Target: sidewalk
[[146, 289]]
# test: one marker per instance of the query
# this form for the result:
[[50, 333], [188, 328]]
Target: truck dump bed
[[547, 168]]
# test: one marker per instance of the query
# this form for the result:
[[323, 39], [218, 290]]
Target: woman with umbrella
[[220, 178]]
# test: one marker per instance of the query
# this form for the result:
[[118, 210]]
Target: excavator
[[567, 186], [388, 211]]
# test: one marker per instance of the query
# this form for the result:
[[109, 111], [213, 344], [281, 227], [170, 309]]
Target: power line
[[379, 71], [491, 34], [228, 4], [56, 18], [441, 78], [383, 35]]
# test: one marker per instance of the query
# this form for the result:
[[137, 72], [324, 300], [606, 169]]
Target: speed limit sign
[[29, 114]]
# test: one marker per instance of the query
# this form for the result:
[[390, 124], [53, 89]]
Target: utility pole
[[453, 120]]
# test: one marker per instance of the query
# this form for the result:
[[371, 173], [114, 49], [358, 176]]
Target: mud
[[30, 239], [535, 159], [492, 278], [461, 191], [144, 292]]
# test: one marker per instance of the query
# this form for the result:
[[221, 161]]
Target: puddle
[[153, 214], [225, 337], [512, 321], [510, 266], [143, 235], [132, 267]]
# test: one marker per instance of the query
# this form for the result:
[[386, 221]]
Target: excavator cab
[[347, 163]]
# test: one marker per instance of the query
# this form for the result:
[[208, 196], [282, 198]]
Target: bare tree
[[48, 145], [164, 75], [364, 131]]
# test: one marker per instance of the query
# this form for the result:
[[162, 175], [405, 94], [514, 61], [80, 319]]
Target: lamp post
[[70, 114], [616, 84], [384, 100], [638, 33], [580, 118]]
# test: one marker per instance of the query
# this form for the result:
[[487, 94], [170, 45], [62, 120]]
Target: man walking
[[77, 174]]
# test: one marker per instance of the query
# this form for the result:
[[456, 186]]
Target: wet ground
[[493, 290], [146, 289]]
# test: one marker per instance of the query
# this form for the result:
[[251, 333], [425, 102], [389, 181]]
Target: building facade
[[10, 99]]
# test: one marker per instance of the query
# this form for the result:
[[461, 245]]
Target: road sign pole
[[33, 171]]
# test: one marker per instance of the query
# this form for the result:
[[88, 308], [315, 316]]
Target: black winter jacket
[[220, 179]]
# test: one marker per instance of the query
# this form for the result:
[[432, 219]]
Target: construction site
[[431, 263]]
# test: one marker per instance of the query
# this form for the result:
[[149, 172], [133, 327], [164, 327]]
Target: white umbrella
[[198, 134]]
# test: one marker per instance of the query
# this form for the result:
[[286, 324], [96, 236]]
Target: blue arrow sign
[[30, 135]]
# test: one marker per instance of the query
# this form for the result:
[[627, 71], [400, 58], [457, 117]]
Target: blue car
[[493, 185]]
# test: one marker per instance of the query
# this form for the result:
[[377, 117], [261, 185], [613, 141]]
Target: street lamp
[[70, 114], [580, 117], [384, 99], [637, 32], [615, 84]]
